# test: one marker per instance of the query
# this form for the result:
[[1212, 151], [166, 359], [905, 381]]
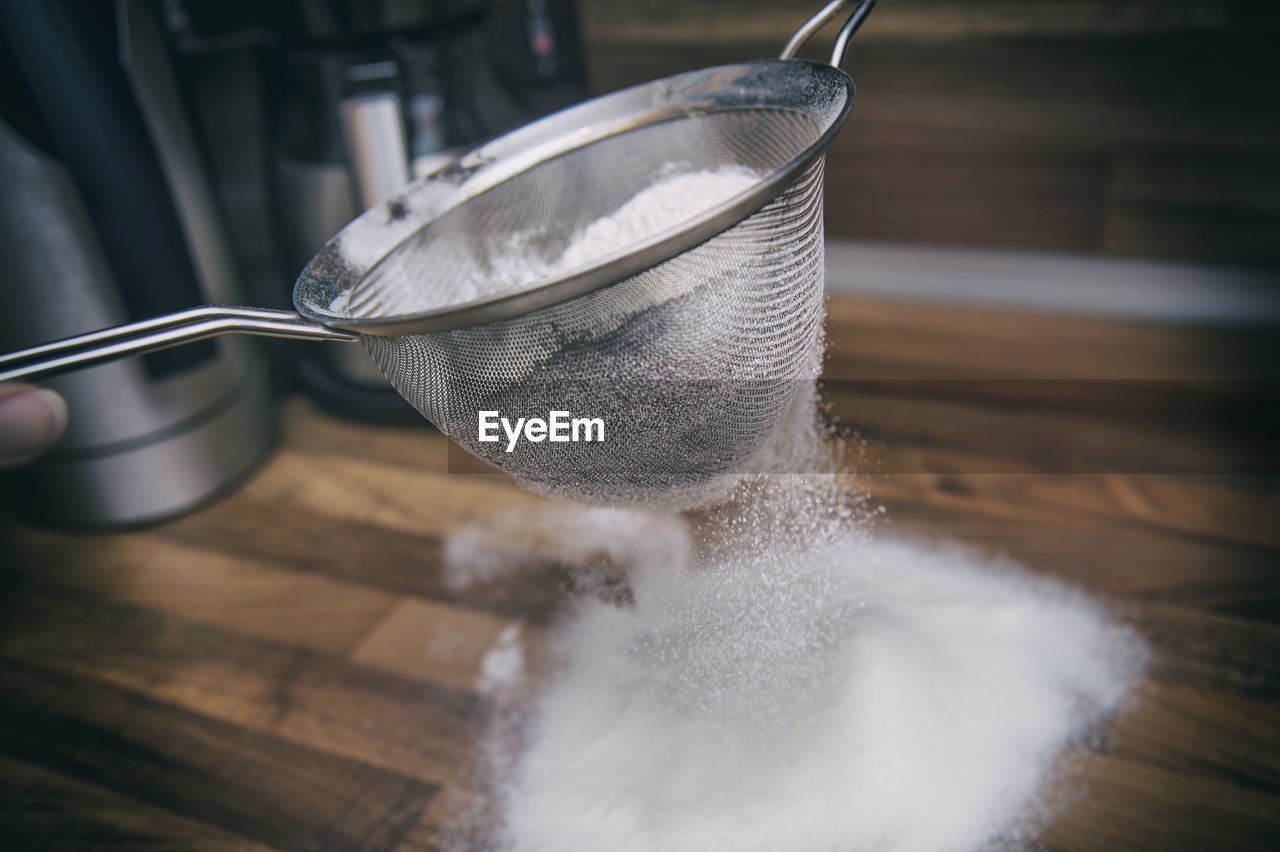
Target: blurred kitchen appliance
[[107, 216], [359, 97]]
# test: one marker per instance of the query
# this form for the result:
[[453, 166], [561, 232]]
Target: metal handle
[[159, 333], [818, 21]]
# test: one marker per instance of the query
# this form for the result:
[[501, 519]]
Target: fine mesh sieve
[[688, 342]]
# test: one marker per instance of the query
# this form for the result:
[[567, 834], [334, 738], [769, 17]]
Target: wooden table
[[288, 669]]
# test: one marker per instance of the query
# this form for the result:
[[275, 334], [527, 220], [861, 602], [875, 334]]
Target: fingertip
[[31, 420], [57, 406]]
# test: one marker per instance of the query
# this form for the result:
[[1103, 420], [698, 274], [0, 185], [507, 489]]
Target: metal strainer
[[688, 343]]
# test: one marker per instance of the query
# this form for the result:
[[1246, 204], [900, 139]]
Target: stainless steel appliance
[[107, 216]]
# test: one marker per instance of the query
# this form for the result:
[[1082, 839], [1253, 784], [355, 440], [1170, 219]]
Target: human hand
[[32, 419]]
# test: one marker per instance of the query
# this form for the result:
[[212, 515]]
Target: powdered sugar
[[793, 682], [663, 207], [859, 696], [503, 665], [778, 677]]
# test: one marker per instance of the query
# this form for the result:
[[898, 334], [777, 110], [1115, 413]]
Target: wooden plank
[[387, 722], [883, 339], [382, 494], [456, 820], [203, 584], [876, 338], [879, 191], [1115, 560], [145, 668], [1225, 654], [1216, 509], [1191, 231], [426, 640], [406, 563], [1075, 426], [1196, 731], [1194, 202], [1020, 509], [1128, 805], [43, 810], [658, 21], [268, 790], [1034, 124], [414, 729], [418, 447], [1208, 177], [1054, 92]]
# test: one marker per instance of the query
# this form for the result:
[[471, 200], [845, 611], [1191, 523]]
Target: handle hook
[[818, 21]]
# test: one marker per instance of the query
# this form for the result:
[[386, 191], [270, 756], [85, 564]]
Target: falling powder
[[778, 677], [503, 665], [799, 684]]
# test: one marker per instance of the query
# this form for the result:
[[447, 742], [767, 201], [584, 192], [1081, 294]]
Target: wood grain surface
[[289, 668], [1127, 127]]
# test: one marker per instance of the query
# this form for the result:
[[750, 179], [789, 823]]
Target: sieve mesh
[[516, 232], [691, 363]]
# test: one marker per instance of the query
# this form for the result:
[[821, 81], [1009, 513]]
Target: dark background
[[1121, 127]]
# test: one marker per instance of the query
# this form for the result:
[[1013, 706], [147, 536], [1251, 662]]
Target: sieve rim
[[331, 274]]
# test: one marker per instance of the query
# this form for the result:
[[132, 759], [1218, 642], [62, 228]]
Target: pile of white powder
[[665, 205], [765, 692], [779, 678]]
